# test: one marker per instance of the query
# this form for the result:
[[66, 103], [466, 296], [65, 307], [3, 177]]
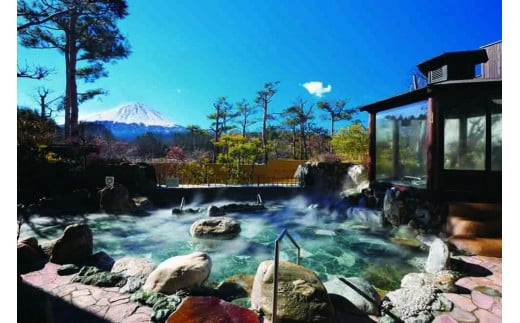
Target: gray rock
[[438, 257], [114, 199], [408, 302], [422, 317], [29, 256], [135, 269], [371, 217], [214, 210], [179, 272], [358, 292], [442, 280], [90, 275], [133, 266], [220, 227], [67, 269], [301, 295], [73, 247], [101, 260], [442, 304], [132, 285]]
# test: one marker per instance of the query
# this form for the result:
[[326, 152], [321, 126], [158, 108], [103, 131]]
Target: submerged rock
[[178, 210], [215, 227], [242, 207], [179, 272], [214, 210]]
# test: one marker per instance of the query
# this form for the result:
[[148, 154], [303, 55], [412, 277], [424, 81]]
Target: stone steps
[[476, 228]]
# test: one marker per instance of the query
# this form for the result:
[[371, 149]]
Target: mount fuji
[[131, 120]]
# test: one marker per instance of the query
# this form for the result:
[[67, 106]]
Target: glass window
[[465, 136], [496, 133], [401, 144]]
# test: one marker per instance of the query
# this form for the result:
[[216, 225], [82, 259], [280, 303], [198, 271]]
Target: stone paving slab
[[104, 302], [482, 302], [477, 305]]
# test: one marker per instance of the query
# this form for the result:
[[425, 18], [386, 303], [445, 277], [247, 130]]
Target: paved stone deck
[[476, 306], [108, 305], [105, 303]]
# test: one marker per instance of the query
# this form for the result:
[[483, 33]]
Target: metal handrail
[[276, 263]]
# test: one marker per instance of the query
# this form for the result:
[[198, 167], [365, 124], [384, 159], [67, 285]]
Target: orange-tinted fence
[[275, 172]]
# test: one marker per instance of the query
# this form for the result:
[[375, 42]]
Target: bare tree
[[44, 102]]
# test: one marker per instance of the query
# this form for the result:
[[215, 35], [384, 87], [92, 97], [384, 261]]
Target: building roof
[[469, 57], [420, 94]]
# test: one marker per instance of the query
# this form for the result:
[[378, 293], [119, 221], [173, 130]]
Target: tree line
[[85, 32]]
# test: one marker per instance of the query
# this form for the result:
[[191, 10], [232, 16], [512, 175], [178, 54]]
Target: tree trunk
[[294, 141], [74, 131], [302, 143], [264, 131], [71, 92], [331, 132], [67, 92]]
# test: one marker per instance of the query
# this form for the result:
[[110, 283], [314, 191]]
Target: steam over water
[[330, 243]]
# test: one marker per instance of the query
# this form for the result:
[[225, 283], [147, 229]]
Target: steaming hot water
[[331, 243]]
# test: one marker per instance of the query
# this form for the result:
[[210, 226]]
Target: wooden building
[[444, 139]]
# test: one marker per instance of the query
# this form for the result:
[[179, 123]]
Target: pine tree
[[85, 32]]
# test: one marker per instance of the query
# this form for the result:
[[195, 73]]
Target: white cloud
[[316, 88]]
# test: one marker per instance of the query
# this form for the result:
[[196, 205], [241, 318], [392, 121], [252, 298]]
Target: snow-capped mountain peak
[[137, 113]]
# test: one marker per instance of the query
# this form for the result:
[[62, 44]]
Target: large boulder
[[73, 247], [220, 227], [301, 295], [179, 272], [29, 256], [114, 199], [355, 291], [438, 257]]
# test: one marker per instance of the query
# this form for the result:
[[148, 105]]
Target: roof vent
[[438, 75]]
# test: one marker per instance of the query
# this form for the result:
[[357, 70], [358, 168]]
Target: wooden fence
[[275, 172]]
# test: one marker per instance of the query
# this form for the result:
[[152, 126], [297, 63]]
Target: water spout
[[259, 199], [356, 180], [182, 203]]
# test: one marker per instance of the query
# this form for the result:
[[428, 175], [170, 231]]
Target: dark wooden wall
[[492, 69]]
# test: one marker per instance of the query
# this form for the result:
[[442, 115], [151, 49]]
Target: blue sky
[[186, 54]]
